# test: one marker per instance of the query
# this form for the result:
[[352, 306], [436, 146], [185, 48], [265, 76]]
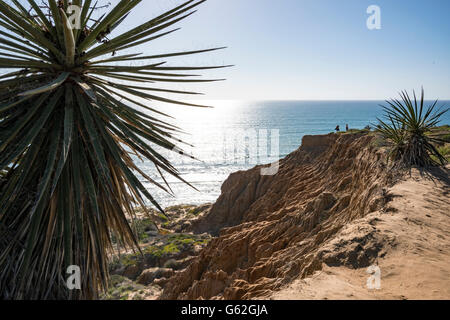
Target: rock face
[[274, 229], [149, 275]]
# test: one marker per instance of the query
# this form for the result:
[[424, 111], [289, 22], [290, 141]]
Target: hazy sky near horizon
[[313, 49]]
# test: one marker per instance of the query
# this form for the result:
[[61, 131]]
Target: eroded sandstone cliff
[[275, 229]]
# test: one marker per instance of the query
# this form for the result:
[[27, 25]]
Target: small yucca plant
[[68, 123], [405, 127]]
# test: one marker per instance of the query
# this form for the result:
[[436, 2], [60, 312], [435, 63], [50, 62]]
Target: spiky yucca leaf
[[406, 126], [68, 118]]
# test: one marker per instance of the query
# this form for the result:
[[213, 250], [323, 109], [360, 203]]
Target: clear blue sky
[[314, 49], [311, 49]]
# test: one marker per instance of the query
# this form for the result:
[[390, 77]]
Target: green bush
[[406, 127]]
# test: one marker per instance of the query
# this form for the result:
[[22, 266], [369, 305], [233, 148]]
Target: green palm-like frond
[[68, 122], [407, 122]]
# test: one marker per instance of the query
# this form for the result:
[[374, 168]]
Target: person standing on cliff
[[346, 127], [337, 128]]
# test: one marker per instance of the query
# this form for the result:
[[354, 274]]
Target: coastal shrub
[[195, 211], [406, 126], [115, 280], [444, 151], [446, 138], [73, 109], [142, 227], [164, 247], [170, 248], [171, 264]]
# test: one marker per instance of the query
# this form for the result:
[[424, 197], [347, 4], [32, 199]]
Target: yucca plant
[[406, 126], [71, 116]]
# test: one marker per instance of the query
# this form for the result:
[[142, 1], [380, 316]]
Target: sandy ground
[[415, 266]]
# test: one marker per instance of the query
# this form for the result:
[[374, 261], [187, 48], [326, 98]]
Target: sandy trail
[[416, 265]]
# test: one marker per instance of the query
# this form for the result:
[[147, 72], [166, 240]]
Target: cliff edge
[[273, 230], [312, 230], [417, 267]]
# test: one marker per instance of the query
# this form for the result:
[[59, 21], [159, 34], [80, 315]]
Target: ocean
[[237, 135]]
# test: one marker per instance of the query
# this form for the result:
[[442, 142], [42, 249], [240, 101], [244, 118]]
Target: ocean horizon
[[238, 135]]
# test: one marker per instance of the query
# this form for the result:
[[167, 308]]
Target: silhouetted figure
[[337, 129], [346, 127]]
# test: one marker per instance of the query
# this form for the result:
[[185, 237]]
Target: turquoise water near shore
[[235, 135]]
